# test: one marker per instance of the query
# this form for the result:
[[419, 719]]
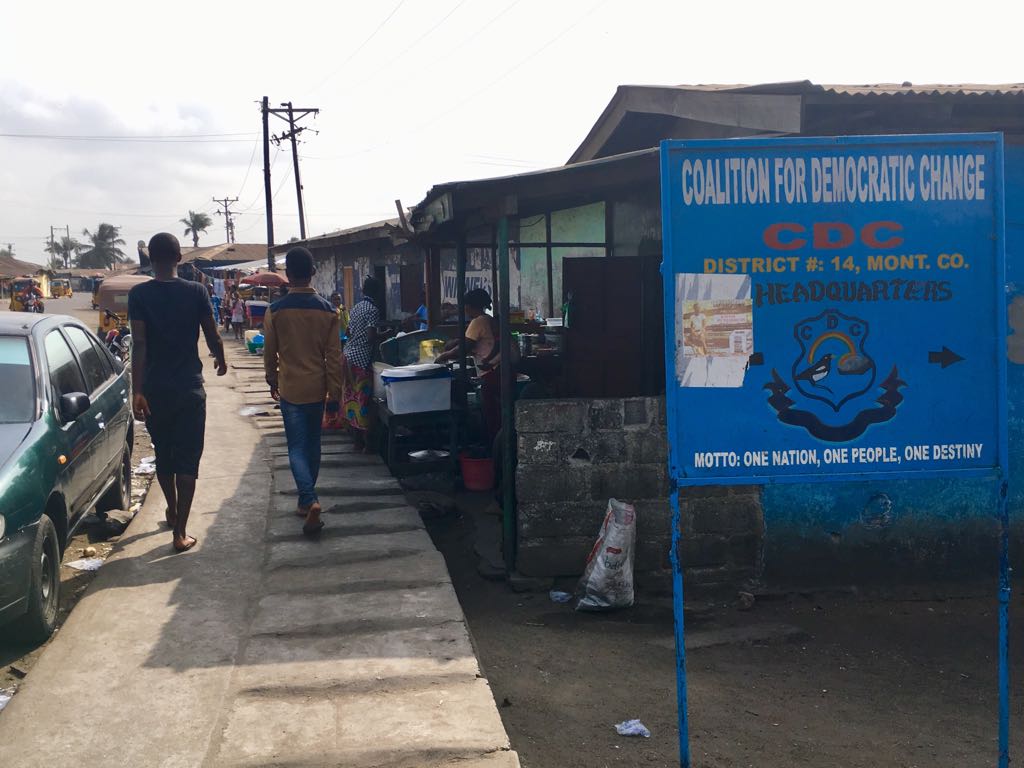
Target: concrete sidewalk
[[259, 647]]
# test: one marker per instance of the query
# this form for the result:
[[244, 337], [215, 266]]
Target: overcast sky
[[412, 93]]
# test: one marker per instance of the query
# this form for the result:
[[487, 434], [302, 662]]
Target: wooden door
[[411, 286], [614, 340]]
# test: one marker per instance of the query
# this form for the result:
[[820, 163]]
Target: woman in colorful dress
[[358, 369]]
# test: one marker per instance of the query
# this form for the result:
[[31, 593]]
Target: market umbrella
[[264, 278]]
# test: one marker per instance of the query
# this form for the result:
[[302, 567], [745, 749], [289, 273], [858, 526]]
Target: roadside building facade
[[585, 240], [382, 249]]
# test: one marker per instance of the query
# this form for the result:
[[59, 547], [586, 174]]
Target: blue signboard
[[834, 308]]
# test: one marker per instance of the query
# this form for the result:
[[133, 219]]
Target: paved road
[[78, 306], [259, 647]]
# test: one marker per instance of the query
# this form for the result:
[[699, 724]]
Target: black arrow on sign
[[945, 358]]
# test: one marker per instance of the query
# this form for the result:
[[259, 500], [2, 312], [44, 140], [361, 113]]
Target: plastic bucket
[[477, 474]]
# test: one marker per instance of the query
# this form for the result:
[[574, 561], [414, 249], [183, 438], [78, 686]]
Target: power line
[[44, 206], [284, 179], [387, 141], [252, 158], [198, 138], [260, 195], [362, 45], [392, 60], [517, 65]]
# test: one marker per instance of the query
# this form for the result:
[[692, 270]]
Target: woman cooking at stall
[[482, 344], [357, 385]]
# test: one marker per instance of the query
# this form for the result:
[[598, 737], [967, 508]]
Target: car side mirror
[[73, 405]]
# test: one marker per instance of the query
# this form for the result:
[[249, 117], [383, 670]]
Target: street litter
[[557, 596], [86, 564], [607, 581], [5, 697], [252, 410], [145, 469], [632, 728]]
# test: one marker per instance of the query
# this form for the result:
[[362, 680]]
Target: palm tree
[[106, 250], [64, 250], [194, 224]]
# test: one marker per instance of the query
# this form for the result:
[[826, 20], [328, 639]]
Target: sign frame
[[674, 394], [997, 471]]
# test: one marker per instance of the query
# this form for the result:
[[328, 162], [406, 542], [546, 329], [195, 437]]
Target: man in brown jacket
[[302, 360]]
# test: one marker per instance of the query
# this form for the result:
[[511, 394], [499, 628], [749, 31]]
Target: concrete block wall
[[573, 455]]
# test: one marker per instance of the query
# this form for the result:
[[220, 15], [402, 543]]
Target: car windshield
[[16, 381]]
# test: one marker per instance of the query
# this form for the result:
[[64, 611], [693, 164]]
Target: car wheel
[[119, 495], [44, 590]]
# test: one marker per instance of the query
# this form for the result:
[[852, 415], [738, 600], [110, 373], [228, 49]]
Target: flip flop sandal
[[312, 531], [187, 547]]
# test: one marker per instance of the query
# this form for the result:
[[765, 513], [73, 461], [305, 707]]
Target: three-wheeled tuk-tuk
[[60, 288], [112, 296], [26, 295]]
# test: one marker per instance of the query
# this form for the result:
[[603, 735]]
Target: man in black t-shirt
[[166, 314]]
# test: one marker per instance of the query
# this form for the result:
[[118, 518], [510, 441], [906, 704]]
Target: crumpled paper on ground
[[632, 728], [86, 564]]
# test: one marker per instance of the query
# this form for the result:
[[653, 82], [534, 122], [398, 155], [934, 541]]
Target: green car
[[65, 448]]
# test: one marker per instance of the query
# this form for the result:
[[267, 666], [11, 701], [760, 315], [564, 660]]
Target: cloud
[[141, 186]]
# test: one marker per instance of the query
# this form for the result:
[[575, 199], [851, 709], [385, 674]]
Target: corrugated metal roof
[[11, 267], [873, 89], [228, 252], [354, 230], [372, 231]]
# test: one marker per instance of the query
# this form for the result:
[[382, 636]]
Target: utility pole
[[229, 224], [293, 115], [53, 248], [266, 185]]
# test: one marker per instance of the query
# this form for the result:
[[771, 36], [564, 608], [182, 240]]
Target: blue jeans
[[302, 428]]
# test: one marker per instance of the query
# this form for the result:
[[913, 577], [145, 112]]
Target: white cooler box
[[418, 388]]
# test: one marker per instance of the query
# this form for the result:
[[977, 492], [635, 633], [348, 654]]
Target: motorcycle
[[119, 338], [32, 304]]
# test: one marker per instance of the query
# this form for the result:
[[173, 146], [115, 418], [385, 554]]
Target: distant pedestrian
[[166, 314], [358, 371], [237, 314], [422, 314], [339, 307], [302, 361], [215, 301]]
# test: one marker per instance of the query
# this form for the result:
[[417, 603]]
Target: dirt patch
[[863, 680], [15, 662]]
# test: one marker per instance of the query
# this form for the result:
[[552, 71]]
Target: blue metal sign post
[[835, 310]]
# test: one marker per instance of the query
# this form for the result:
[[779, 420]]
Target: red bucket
[[477, 474]]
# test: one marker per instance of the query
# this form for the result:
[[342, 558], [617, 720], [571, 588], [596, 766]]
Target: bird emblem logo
[[832, 370]]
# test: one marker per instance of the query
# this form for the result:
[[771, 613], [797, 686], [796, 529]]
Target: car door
[[108, 404], [79, 436], [117, 400]]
